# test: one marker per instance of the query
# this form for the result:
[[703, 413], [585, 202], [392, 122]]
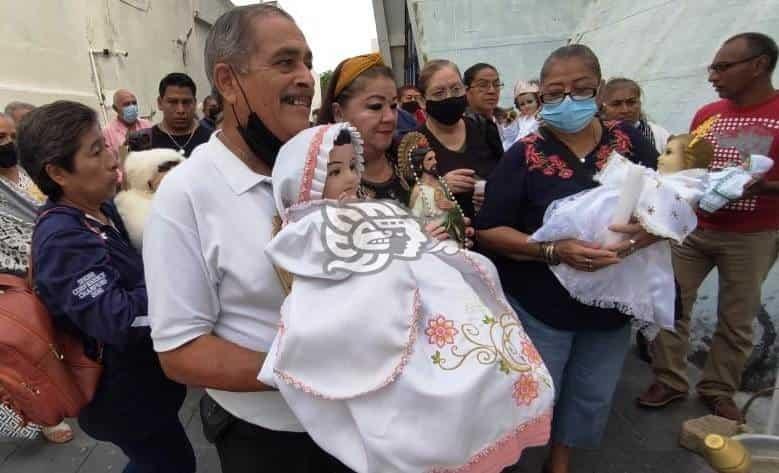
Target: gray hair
[[572, 51], [231, 39], [14, 106]]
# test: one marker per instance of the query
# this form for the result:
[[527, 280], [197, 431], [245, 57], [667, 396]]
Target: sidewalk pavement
[[637, 440]]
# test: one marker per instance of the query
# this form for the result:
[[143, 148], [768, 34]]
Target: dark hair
[[344, 138], [51, 134], [572, 50], [429, 70], [759, 44], [358, 85], [470, 74], [177, 79], [406, 88]]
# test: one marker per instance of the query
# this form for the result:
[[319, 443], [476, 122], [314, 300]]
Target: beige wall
[[45, 48]]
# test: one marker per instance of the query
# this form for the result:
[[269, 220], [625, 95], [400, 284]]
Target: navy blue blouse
[[530, 176]]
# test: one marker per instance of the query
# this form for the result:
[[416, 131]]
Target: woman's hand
[[436, 231], [478, 200], [637, 238], [460, 180], [584, 256]]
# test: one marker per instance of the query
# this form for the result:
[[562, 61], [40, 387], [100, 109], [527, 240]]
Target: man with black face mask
[[214, 297], [211, 112], [411, 101]]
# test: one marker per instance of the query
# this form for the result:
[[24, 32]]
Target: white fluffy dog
[[143, 172]]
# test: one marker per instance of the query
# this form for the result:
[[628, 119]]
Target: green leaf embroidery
[[436, 358], [504, 367], [487, 320]]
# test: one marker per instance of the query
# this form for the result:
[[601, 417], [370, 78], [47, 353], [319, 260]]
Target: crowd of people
[[200, 304]]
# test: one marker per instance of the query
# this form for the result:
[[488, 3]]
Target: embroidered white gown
[[397, 356], [642, 285]]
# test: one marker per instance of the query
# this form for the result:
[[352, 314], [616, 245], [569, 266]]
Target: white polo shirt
[[206, 271]]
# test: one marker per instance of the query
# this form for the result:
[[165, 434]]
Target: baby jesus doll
[[396, 352], [431, 199], [664, 202]]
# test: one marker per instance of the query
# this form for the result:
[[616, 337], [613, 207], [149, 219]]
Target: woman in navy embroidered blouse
[[584, 347]]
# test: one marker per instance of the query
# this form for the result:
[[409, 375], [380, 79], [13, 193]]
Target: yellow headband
[[352, 69]]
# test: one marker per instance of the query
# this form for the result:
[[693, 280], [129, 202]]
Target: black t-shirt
[[476, 154], [528, 179], [395, 188], [154, 137]]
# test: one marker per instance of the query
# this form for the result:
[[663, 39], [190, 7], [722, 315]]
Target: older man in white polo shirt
[[214, 297]]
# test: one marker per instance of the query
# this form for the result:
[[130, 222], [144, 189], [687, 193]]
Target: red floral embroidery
[[531, 354], [525, 390], [440, 331], [550, 166], [602, 156]]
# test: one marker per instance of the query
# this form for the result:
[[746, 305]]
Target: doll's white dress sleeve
[[398, 356], [642, 284], [727, 185]]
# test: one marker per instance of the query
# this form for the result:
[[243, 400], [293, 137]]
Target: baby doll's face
[[343, 178], [672, 159]]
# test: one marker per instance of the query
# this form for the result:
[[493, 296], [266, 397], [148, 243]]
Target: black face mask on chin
[[263, 143], [447, 111], [8, 157]]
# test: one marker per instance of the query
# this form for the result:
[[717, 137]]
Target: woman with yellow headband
[[362, 91]]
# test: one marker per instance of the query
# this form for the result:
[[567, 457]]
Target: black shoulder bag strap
[[581, 173]]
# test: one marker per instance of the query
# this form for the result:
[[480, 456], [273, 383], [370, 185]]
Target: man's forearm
[[212, 362]]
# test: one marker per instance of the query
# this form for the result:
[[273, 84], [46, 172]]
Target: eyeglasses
[[575, 94], [454, 91], [484, 86], [723, 66], [631, 102]]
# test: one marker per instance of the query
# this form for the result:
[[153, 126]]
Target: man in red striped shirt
[[740, 240]]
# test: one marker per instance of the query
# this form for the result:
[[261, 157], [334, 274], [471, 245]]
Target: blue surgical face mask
[[130, 113], [569, 115]]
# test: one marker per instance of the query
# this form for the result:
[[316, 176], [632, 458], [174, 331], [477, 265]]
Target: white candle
[[628, 199]]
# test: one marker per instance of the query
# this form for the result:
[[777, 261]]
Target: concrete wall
[[46, 47]]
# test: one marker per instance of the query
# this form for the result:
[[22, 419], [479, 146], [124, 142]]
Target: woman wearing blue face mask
[[583, 346]]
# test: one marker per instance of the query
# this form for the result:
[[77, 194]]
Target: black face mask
[[257, 136], [447, 111], [8, 156], [410, 107]]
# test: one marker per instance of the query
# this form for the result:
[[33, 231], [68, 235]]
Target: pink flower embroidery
[[525, 390], [531, 354], [440, 331]]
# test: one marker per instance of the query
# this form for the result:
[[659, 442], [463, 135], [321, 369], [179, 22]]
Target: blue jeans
[[585, 367]]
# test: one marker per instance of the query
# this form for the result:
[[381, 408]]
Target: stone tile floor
[[637, 440]]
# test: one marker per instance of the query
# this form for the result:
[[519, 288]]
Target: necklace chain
[[181, 147]]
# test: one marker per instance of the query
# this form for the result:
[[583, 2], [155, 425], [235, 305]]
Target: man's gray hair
[[14, 106], [231, 39]]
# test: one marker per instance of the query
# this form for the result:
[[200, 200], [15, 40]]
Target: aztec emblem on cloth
[[364, 237]]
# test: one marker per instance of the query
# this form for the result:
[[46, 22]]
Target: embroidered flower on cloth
[[531, 354], [525, 390], [440, 331]]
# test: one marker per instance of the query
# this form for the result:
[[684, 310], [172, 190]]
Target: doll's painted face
[[672, 159], [430, 164], [343, 178]]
